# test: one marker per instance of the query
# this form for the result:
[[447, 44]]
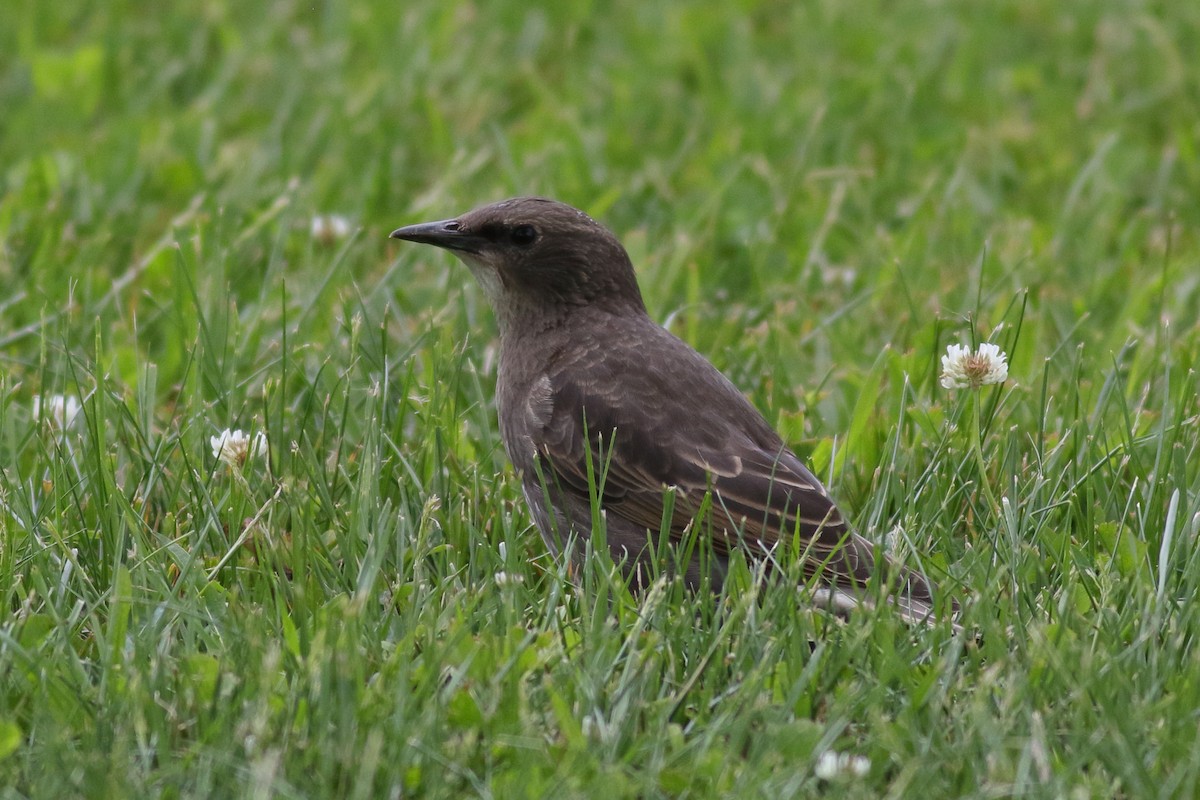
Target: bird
[[599, 405]]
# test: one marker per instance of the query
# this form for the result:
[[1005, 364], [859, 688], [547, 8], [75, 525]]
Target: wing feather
[[762, 494], [761, 491]]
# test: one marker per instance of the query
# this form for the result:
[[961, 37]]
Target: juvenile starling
[[595, 398]]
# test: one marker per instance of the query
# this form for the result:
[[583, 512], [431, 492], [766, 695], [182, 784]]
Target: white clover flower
[[962, 369], [329, 228], [235, 447], [503, 578], [60, 410], [833, 765]]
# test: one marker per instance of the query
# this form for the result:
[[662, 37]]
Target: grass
[[820, 197]]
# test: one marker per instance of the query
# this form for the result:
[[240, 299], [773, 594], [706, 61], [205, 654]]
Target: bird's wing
[[761, 493]]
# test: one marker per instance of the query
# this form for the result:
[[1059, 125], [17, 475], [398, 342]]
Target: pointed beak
[[447, 234]]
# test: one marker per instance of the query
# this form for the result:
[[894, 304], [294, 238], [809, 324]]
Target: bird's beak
[[446, 233]]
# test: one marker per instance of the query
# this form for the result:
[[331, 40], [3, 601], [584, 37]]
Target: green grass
[[819, 196]]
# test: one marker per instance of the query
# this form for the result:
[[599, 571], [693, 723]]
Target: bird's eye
[[523, 235]]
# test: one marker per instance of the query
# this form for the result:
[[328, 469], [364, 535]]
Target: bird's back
[[644, 413]]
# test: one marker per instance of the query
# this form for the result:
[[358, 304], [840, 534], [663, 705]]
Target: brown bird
[[597, 400]]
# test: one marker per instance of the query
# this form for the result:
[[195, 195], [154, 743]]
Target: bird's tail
[[907, 591]]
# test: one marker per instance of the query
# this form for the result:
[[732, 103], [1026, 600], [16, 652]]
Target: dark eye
[[523, 235]]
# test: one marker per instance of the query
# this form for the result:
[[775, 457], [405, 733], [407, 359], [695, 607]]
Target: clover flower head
[[329, 228], [60, 411], [833, 765], [503, 578], [964, 369], [236, 447]]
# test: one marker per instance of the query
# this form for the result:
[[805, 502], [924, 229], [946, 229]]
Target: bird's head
[[536, 255]]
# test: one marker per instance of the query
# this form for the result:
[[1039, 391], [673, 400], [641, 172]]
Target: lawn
[[820, 197]]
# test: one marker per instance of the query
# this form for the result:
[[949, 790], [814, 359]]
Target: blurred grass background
[[817, 196]]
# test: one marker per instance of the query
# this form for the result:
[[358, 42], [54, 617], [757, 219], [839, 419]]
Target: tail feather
[[907, 591], [913, 611]]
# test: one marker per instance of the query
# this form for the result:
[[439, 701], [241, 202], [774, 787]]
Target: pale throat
[[511, 309]]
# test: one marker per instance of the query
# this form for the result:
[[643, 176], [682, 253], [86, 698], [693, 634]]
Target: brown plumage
[[587, 378]]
